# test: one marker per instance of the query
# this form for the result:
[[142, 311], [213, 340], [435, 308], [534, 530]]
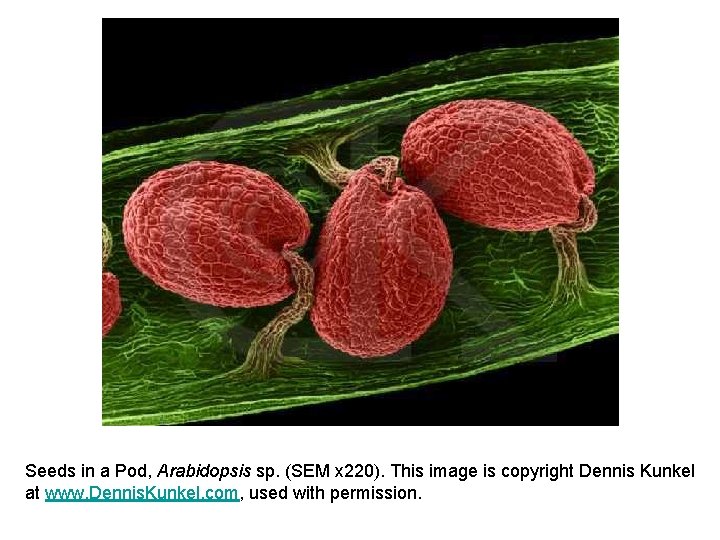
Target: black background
[[156, 70]]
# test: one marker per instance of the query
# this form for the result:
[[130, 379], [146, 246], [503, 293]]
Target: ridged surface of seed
[[111, 303], [383, 268], [498, 164], [214, 233]]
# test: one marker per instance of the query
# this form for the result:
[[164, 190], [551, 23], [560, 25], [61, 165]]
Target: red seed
[[383, 265], [499, 164], [214, 233], [111, 304]]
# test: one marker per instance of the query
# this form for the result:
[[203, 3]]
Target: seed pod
[[383, 264], [214, 233], [507, 166], [498, 164], [223, 235], [111, 304]]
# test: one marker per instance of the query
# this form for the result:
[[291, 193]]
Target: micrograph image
[[413, 236]]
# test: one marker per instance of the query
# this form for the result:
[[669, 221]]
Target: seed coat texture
[[214, 233], [111, 304], [499, 164], [383, 264]]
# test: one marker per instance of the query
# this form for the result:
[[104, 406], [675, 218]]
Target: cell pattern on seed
[[214, 233], [111, 303], [383, 267], [498, 164]]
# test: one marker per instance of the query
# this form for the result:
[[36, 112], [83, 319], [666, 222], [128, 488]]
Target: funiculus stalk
[[264, 355], [572, 282], [106, 244]]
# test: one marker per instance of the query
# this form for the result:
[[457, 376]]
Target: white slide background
[[51, 107]]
